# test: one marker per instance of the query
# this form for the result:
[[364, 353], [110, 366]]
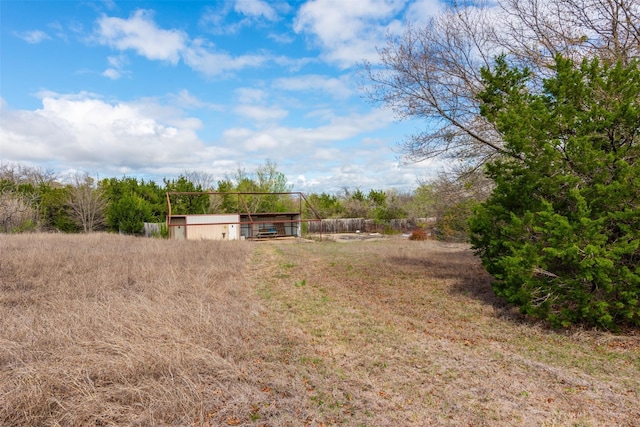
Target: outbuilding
[[239, 226], [204, 227]]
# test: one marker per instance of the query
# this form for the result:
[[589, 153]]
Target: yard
[[113, 330]]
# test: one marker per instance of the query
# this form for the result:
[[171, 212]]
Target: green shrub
[[129, 214]]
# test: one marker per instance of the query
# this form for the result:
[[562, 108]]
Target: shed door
[[179, 228]]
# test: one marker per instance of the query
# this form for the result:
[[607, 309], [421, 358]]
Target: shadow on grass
[[464, 273]]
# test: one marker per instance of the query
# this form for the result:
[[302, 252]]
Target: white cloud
[[184, 99], [294, 64], [252, 105], [283, 38], [116, 69], [340, 153], [247, 13], [351, 171], [350, 31], [337, 87], [420, 11], [84, 130], [261, 114], [298, 140], [200, 56], [117, 61], [33, 37], [256, 9], [58, 30], [109, 4], [76, 27], [112, 73], [248, 95], [347, 31], [141, 34], [214, 19]]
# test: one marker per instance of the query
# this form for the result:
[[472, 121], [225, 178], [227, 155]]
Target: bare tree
[[534, 31], [16, 210], [19, 200], [266, 179], [87, 202], [432, 72], [204, 180], [21, 174]]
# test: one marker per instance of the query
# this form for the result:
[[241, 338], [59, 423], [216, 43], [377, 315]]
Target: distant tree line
[[32, 199]]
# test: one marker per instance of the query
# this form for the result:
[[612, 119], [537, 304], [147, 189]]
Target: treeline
[[32, 199]]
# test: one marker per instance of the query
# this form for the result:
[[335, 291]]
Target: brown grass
[[112, 330]]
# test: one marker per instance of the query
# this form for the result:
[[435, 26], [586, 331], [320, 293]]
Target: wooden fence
[[152, 229], [353, 225]]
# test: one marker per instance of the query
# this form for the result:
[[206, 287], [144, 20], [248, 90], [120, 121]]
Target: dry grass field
[[110, 330]]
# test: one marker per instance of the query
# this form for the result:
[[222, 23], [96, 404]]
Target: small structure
[[204, 227], [239, 226]]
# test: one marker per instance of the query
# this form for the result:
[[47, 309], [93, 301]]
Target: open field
[[113, 330]]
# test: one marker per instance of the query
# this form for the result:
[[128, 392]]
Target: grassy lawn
[[114, 330]]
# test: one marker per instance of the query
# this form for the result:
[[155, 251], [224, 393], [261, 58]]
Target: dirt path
[[390, 333]]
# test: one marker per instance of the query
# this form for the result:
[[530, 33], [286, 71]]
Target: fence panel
[[353, 225]]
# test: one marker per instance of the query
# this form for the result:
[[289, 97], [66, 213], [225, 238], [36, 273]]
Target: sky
[[153, 89]]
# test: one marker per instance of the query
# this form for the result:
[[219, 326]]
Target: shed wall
[[206, 227]]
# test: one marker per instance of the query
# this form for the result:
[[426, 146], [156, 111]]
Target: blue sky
[[154, 88]]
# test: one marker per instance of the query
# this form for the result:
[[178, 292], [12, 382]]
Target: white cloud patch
[[297, 140], [109, 4], [112, 73], [420, 11], [249, 95], [184, 99], [141, 34], [282, 38], [337, 87], [33, 37], [85, 130], [253, 105], [58, 30], [117, 61], [230, 17], [261, 114], [256, 9], [116, 69], [201, 57], [340, 153], [214, 19], [347, 31]]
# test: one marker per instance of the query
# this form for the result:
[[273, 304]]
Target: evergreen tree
[[186, 203], [561, 230], [132, 203], [129, 213]]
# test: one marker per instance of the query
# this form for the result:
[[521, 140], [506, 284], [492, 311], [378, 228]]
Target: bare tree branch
[[432, 72]]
